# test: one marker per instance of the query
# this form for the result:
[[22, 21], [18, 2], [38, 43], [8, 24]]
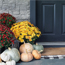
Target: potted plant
[[25, 31], [6, 37], [7, 19]]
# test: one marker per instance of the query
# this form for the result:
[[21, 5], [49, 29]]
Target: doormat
[[54, 53]]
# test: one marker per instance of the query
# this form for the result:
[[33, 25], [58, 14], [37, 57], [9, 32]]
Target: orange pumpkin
[[36, 54]]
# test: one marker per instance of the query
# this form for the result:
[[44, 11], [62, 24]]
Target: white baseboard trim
[[51, 43]]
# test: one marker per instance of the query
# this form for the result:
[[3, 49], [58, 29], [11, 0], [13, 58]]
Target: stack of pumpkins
[[27, 53], [10, 56]]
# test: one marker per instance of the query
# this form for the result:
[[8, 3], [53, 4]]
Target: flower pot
[[20, 43], [16, 44], [2, 49]]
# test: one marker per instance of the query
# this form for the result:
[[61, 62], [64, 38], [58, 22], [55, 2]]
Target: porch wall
[[18, 8]]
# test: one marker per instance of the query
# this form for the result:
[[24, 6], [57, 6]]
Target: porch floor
[[44, 62]]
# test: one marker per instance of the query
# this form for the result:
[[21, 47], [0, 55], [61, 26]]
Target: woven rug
[[54, 53]]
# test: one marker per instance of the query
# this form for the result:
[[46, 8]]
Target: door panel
[[63, 24], [50, 18]]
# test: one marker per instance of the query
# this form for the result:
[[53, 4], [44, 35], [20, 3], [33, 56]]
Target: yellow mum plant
[[25, 31]]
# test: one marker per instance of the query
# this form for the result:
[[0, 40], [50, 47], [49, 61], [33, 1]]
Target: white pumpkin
[[2, 63], [5, 57], [25, 46], [12, 62], [14, 54]]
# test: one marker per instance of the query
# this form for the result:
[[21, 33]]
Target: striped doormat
[[53, 53], [53, 57]]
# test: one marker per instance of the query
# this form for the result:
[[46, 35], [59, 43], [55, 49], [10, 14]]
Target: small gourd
[[36, 54], [12, 62], [26, 56], [5, 57], [38, 47], [2, 63], [25, 46], [14, 54]]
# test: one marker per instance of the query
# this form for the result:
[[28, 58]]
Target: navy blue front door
[[50, 18]]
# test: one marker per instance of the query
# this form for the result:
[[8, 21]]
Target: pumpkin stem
[[40, 51], [10, 60], [9, 48], [0, 58], [36, 43], [24, 42]]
